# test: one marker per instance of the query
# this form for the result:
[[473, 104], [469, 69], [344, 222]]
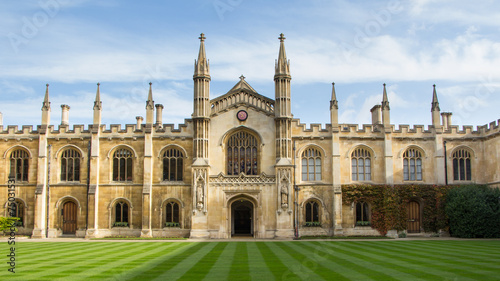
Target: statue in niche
[[284, 194], [199, 194]]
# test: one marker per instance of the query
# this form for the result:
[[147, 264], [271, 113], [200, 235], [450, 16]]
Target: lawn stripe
[[186, 264], [326, 269], [429, 261], [452, 249], [353, 264], [420, 267], [256, 264], [239, 266], [202, 267], [220, 270], [163, 263], [273, 263], [294, 266], [102, 264], [72, 259]]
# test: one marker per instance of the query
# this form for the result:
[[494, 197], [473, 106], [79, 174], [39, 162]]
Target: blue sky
[[359, 45]]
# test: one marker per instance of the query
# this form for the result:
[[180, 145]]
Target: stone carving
[[284, 194], [284, 176], [199, 194], [242, 179]]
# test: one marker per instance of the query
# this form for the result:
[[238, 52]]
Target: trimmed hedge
[[474, 211]]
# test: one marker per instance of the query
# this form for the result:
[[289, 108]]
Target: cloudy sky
[[359, 45]]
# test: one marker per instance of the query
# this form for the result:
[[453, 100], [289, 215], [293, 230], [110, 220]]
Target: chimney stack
[[446, 116], [376, 114], [65, 114], [139, 122], [159, 112], [1, 119]]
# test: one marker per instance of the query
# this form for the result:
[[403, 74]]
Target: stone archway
[[242, 218]]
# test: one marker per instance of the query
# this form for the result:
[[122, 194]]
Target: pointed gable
[[242, 94]]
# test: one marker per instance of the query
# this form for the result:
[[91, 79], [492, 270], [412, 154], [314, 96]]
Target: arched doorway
[[242, 218], [69, 218]]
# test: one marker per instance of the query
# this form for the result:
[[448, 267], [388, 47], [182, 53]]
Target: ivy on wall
[[389, 204]]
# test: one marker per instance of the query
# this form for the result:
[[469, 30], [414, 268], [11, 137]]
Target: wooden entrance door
[[413, 217], [69, 218]]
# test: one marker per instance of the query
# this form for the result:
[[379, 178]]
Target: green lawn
[[290, 260]]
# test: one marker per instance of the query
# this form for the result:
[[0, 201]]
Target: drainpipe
[[48, 194], [445, 165], [296, 195], [88, 186]]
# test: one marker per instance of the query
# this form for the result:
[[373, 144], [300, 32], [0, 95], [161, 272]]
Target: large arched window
[[70, 165], [172, 165], [16, 209], [312, 213], [361, 165], [19, 165], [311, 165], [242, 154], [362, 214], [121, 213], [122, 165], [462, 170], [172, 217], [412, 165]]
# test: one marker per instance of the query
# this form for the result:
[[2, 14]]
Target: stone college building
[[241, 165]]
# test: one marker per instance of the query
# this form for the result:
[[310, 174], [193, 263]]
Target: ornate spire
[[150, 102], [435, 103], [333, 101], [282, 65], [385, 100], [46, 102], [98, 102], [201, 66]]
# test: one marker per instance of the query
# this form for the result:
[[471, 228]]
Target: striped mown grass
[[281, 260]]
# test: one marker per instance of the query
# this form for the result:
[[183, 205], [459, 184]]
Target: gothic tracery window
[[122, 165], [242, 154], [16, 209], [412, 165], [362, 214], [462, 170], [361, 165], [172, 165], [311, 165], [121, 213], [312, 212], [19, 165], [70, 165], [172, 213]]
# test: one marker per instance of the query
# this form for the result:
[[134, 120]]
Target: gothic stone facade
[[240, 165]]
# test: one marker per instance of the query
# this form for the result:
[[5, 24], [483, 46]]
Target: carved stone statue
[[284, 194], [199, 194]]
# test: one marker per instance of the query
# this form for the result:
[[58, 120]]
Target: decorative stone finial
[[242, 77], [202, 37], [282, 37]]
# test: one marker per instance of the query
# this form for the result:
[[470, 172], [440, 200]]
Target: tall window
[[121, 214], [412, 165], [172, 212], [361, 165], [19, 165], [362, 217], [70, 165], [242, 154], [462, 165], [312, 212], [16, 209], [122, 165], [172, 165], [311, 165]]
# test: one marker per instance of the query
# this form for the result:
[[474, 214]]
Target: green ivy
[[121, 224], [389, 204], [172, 224]]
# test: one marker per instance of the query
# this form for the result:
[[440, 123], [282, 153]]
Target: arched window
[[70, 165], [19, 165], [311, 165], [361, 165], [172, 214], [412, 165], [172, 165], [122, 165], [242, 154], [362, 214], [121, 214], [312, 213], [16, 209], [462, 165]]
